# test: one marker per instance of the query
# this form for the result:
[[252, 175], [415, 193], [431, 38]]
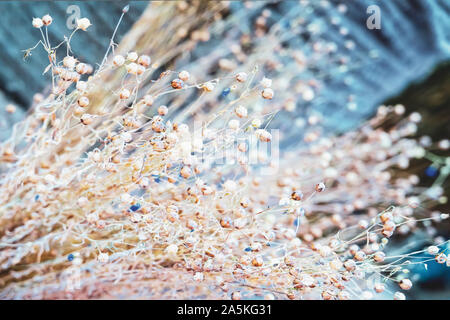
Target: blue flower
[[70, 257]]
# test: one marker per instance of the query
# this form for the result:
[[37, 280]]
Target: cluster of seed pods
[[172, 187]]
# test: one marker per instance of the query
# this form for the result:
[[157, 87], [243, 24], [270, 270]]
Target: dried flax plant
[[145, 183]]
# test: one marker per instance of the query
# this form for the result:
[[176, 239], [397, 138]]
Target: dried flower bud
[[144, 61], [86, 119], [209, 86], [69, 62], [132, 56], [184, 75], [83, 101], [266, 83], [405, 284], [132, 68], [81, 86], [241, 77], [399, 296], [241, 111], [263, 135], [162, 110], [47, 20], [103, 257], [83, 24], [185, 172], [118, 60], [233, 124], [37, 23], [297, 196]]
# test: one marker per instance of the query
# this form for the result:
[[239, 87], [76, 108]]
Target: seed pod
[[124, 94], [350, 265], [233, 124], [236, 295], [132, 56], [83, 101], [185, 172], [83, 24], [47, 20], [266, 82], [267, 93], [184, 75], [37, 23], [118, 60], [241, 77], [162, 110], [241, 111], [132, 68], [360, 256], [177, 84], [320, 187], [86, 119], [257, 262], [144, 61], [82, 68], [405, 284], [225, 222], [297, 195], [148, 100], [140, 70], [389, 225]]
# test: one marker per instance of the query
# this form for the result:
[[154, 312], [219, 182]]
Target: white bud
[[81, 86], [267, 93], [266, 82], [184, 75], [241, 111], [103, 257], [132, 68], [241, 77], [132, 56], [69, 62], [47, 19], [233, 124], [118, 60], [172, 249]]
